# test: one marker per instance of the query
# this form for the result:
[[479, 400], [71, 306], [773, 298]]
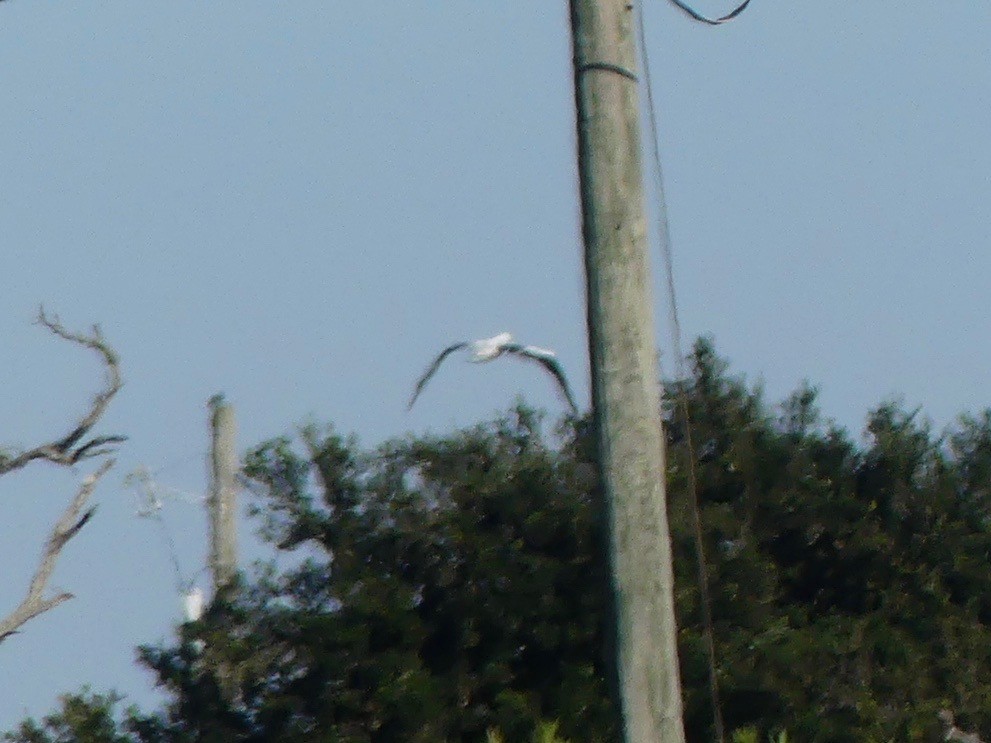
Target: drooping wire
[[150, 507], [664, 237], [712, 21]]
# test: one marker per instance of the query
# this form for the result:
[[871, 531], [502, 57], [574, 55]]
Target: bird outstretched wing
[[432, 369], [549, 361]]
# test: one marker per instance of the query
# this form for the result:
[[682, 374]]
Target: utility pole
[[625, 379], [223, 493]]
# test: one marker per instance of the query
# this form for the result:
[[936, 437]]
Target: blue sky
[[298, 204]]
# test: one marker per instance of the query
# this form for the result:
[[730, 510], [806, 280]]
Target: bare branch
[[70, 522], [68, 450]]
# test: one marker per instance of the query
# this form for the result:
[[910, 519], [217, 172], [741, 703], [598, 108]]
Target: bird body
[[193, 602], [488, 349]]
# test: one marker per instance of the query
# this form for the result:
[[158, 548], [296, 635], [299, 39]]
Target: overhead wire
[[148, 492], [664, 236], [706, 19]]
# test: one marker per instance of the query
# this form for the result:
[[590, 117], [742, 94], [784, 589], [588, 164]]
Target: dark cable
[[712, 21], [664, 233], [609, 68]]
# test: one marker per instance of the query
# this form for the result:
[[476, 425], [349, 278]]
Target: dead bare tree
[[66, 451]]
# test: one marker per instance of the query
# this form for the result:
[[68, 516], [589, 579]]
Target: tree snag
[[66, 451]]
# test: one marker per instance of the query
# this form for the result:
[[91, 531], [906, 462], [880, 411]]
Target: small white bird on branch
[[488, 349], [193, 602]]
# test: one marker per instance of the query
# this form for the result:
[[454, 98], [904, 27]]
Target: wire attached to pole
[[150, 506], [664, 234], [711, 21]]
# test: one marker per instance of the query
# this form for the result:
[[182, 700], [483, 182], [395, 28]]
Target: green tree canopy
[[440, 588]]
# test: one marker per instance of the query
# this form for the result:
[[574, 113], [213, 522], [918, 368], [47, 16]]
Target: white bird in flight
[[488, 349]]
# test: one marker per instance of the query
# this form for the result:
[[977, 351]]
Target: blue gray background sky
[[299, 203]]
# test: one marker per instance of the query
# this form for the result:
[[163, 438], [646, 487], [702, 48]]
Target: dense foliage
[[448, 587], [850, 583], [81, 717]]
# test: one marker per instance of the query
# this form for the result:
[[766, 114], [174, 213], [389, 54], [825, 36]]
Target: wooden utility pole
[[223, 493], [625, 379]]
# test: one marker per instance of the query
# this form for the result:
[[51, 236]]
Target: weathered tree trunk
[[223, 494]]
